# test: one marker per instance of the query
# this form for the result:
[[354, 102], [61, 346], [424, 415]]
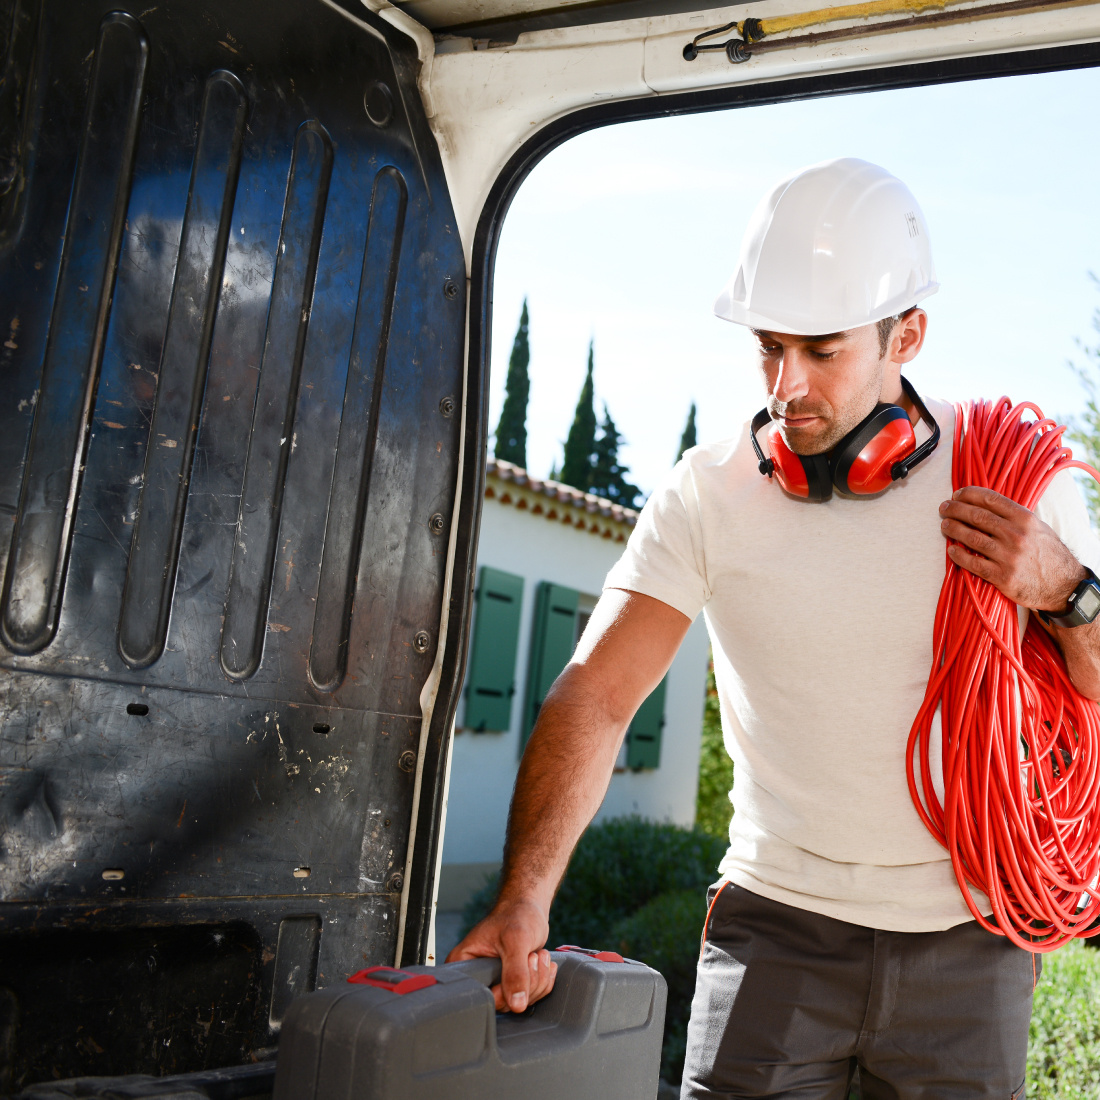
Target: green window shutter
[[643, 745], [492, 680], [553, 637]]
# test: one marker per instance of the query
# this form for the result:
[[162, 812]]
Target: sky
[[626, 234]]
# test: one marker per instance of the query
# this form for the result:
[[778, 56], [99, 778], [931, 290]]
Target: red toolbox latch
[[599, 956], [396, 981]]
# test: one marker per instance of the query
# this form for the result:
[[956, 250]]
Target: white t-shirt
[[820, 619]]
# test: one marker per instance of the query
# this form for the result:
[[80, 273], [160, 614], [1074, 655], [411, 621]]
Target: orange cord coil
[[1020, 745]]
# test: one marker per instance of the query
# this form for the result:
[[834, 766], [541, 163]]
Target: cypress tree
[[688, 440], [511, 444], [580, 444], [608, 476]]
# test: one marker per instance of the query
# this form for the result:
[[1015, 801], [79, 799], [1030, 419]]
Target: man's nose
[[791, 381]]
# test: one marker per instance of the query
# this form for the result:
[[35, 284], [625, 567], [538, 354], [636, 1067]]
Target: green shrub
[[712, 804], [638, 887], [618, 866], [665, 934], [1063, 1057]]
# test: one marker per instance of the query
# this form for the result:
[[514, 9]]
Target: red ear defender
[[863, 461], [805, 476], [878, 451]]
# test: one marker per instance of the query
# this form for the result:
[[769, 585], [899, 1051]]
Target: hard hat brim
[[739, 314]]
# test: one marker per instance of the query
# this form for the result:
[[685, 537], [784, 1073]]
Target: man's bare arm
[[627, 647], [1018, 553]]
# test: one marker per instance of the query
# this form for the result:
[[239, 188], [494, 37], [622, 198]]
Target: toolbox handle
[[486, 971]]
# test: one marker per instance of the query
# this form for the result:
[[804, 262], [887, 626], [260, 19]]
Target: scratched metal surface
[[229, 318]]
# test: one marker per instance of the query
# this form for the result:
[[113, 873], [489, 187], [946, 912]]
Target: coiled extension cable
[[1020, 745]]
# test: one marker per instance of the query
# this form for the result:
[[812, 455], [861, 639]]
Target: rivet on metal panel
[[436, 524], [407, 761], [378, 103], [139, 709], [450, 289], [397, 881], [421, 641], [447, 405], [114, 874]]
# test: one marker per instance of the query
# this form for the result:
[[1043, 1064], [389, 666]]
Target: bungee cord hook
[[862, 20], [736, 49]]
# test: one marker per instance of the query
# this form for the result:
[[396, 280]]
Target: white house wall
[[483, 765]]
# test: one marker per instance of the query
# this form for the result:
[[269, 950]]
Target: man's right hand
[[514, 932]]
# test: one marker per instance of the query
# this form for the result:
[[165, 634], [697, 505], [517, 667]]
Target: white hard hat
[[837, 245]]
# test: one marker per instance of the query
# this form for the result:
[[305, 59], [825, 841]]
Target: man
[[839, 936]]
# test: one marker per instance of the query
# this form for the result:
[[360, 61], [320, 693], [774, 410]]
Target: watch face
[[1088, 603]]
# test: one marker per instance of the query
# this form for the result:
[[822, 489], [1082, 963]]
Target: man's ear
[[908, 336]]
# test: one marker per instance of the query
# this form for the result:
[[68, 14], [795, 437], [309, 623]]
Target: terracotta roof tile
[[566, 494]]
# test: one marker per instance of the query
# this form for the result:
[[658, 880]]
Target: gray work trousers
[[788, 1003]]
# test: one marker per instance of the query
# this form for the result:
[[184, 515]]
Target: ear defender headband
[[878, 451]]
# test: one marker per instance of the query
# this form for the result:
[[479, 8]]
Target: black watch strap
[[1082, 607]]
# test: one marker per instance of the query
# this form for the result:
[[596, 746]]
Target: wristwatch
[[1082, 607]]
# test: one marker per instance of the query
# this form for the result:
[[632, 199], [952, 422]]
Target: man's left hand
[[1004, 543]]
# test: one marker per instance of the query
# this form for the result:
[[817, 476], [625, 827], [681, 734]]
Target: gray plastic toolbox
[[432, 1032]]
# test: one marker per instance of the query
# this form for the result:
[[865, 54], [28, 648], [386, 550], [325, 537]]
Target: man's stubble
[[838, 422]]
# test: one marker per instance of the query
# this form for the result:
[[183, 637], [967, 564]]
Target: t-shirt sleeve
[[1063, 507], [664, 556]]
